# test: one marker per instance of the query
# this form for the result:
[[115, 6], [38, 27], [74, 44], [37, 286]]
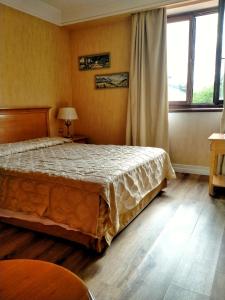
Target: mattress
[[82, 187]]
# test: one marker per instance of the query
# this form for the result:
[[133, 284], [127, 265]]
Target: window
[[196, 58]]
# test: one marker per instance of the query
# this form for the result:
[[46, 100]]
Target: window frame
[[187, 105]]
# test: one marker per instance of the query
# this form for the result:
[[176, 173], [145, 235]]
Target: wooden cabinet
[[217, 147]]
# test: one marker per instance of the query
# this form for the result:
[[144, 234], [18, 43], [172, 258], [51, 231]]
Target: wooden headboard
[[18, 124]]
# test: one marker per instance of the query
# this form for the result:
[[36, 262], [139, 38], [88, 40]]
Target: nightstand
[[217, 147], [80, 139]]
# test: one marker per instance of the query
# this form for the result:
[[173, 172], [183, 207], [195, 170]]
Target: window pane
[[205, 57], [223, 39], [221, 96], [177, 59]]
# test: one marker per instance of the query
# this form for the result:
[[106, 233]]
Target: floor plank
[[175, 249], [218, 289], [197, 267], [177, 293]]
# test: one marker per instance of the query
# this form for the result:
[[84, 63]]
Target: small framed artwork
[[95, 61], [115, 80]]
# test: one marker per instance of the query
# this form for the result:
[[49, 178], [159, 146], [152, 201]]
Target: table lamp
[[67, 114]]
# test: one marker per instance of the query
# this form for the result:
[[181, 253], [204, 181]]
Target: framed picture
[[95, 61], [115, 80]]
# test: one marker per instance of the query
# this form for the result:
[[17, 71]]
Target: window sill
[[196, 109]]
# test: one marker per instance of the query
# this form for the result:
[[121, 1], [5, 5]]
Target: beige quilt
[[80, 186]]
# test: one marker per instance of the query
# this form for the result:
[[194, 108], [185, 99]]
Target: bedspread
[[119, 175]]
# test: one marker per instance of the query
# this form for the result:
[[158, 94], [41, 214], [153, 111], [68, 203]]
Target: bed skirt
[[97, 244]]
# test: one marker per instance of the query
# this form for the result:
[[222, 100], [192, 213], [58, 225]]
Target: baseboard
[[200, 170]]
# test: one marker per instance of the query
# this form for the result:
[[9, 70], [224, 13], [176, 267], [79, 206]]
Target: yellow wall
[[35, 63], [102, 113]]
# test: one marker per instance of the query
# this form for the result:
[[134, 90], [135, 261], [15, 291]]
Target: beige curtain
[[147, 116]]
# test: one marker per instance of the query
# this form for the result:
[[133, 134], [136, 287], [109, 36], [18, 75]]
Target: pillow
[[12, 148]]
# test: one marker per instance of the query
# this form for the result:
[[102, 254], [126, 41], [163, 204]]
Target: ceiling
[[64, 12], [74, 11]]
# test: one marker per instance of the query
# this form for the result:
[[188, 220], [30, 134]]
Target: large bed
[[82, 192]]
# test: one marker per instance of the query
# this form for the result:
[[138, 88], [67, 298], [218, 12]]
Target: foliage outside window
[[195, 55]]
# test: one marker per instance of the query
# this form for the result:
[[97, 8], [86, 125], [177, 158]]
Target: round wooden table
[[26, 279]]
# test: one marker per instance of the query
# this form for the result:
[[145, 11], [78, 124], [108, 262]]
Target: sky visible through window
[[177, 59], [205, 57]]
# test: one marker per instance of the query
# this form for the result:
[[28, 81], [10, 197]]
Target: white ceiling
[[73, 11], [63, 12]]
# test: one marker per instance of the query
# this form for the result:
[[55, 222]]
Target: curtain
[[147, 114]]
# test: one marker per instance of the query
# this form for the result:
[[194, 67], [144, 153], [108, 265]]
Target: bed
[[82, 192]]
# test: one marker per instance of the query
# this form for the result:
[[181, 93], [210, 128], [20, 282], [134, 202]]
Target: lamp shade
[[67, 113]]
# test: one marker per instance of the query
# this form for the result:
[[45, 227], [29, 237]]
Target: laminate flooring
[[174, 250]]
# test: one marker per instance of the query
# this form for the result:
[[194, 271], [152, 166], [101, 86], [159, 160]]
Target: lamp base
[[68, 123]]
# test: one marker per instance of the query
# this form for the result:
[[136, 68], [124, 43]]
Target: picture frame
[[94, 61], [113, 80]]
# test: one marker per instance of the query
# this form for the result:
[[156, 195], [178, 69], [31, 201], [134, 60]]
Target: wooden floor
[[174, 250]]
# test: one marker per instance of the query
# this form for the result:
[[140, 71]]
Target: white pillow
[[12, 148]]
